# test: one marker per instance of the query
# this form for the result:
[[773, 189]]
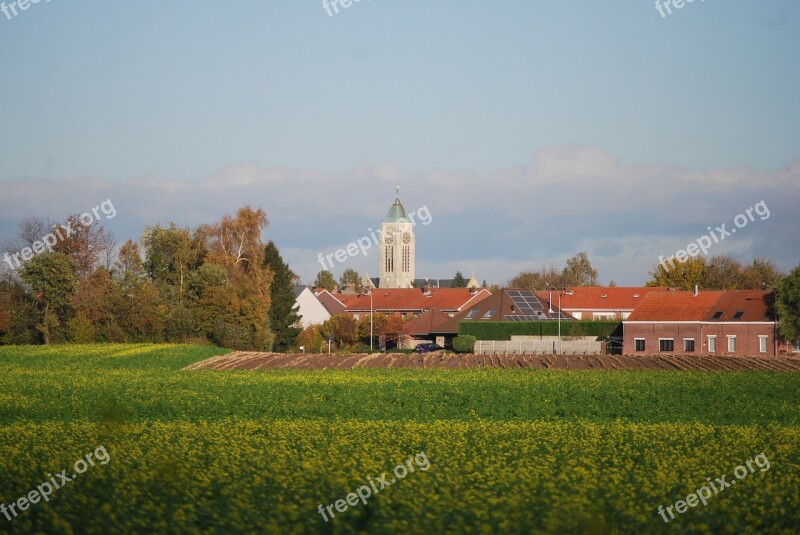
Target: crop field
[[285, 451]]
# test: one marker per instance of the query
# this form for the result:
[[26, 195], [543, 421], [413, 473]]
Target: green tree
[[19, 313], [578, 272], [682, 275], [171, 253], [283, 315], [325, 280], [458, 281], [788, 305], [350, 277], [81, 329], [50, 278]]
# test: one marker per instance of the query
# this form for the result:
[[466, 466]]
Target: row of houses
[[652, 320]]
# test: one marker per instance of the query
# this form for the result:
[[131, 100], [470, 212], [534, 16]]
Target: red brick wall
[[747, 341]]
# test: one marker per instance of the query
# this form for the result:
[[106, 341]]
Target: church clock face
[[406, 238]]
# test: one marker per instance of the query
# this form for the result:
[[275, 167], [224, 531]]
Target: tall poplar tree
[[283, 311]]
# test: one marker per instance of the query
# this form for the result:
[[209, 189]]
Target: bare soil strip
[[242, 360]]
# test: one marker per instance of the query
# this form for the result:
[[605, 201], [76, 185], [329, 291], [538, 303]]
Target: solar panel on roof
[[525, 300]]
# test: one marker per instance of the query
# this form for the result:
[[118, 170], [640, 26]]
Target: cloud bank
[[564, 200]]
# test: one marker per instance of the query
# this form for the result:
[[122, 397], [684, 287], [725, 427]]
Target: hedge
[[503, 330], [464, 344]]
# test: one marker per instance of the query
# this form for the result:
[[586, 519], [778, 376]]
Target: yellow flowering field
[[260, 452]]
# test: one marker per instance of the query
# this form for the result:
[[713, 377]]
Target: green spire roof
[[396, 212]]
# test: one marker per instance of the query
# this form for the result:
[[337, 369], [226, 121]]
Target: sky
[[529, 130]]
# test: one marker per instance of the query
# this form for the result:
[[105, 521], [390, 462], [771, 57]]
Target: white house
[[315, 309]]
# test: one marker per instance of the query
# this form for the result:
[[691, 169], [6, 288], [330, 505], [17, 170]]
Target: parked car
[[427, 348]]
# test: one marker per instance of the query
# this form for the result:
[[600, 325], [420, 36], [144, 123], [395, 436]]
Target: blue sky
[[184, 112]]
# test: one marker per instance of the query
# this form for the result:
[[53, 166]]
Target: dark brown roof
[[329, 301], [428, 322], [499, 307], [416, 299]]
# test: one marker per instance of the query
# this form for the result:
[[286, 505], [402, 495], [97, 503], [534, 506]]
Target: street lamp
[[550, 304], [371, 313]]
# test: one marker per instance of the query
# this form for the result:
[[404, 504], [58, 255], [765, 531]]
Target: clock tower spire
[[397, 252]]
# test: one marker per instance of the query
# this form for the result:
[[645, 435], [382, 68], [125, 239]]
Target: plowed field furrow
[[252, 361]]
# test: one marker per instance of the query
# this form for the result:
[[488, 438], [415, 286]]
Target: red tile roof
[[601, 298], [756, 305], [685, 306], [345, 298], [415, 299]]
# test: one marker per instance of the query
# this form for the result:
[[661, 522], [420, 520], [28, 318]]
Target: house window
[[712, 344], [471, 314], [355, 316], [666, 344], [638, 344], [603, 316], [717, 315], [731, 343], [489, 314], [796, 346], [738, 315], [688, 345], [762, 343]]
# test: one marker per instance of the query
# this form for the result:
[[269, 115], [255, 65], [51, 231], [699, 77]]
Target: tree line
[[216, 283]]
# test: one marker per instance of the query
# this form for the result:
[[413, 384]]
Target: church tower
[[397, 261]]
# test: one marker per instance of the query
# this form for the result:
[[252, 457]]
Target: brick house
[[508, 304], [731, 322]]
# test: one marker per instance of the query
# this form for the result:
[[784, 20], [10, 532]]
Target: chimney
[[696, 290]]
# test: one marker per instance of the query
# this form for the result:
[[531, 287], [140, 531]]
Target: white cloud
[[566, 199]]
